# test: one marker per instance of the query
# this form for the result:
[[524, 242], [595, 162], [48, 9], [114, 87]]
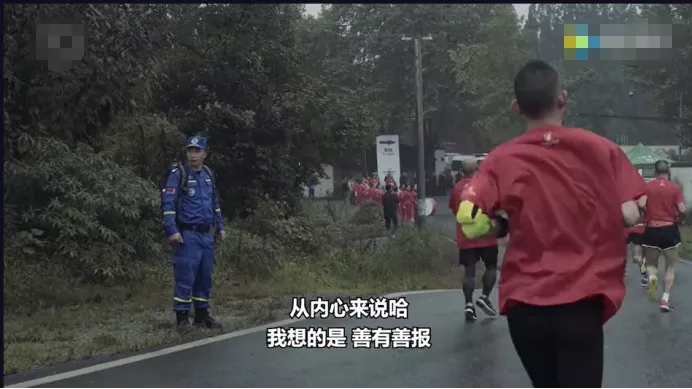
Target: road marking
[[185, 346]]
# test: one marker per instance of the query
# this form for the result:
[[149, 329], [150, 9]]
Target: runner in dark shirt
[[390, 202]]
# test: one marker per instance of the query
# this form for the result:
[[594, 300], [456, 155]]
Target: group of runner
[[663, 207], [568, 197], [371, 189]]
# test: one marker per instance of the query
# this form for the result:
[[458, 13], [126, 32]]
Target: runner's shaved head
[[536, 89], [469, 166]]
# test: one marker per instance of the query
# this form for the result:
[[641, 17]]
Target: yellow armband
[[473, 225]]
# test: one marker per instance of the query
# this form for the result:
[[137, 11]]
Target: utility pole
[[420, 119], [365, 161], [680, 126]]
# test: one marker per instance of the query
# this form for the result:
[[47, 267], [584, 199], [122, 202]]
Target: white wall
[[440, 162], [683, 176], [325, 187]]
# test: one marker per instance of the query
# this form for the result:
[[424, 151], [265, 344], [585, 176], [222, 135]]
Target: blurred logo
[[548, 139], [60, 42]]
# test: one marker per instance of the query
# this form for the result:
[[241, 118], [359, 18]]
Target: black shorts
[[661, 238], [488, 254], [635, 238]]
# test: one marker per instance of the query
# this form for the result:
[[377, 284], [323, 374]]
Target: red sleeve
[[629, 182]]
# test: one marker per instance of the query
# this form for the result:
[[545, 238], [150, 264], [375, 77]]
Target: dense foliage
[[277, 93]]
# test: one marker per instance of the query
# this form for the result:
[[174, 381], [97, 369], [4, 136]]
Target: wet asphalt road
[[644, 348]]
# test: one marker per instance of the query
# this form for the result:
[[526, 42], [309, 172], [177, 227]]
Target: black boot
[[203, 319], [182, 320]]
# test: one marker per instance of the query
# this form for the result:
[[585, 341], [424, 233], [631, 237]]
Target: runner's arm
[[642, 202], [631, 187]]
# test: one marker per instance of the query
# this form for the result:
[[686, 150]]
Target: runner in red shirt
[[369, 192], [357, 188], [403, 193], [414, 203], [562, 273], [473, 250], [378, 195], [665, 207]]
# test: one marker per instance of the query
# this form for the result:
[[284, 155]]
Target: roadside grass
[[51, 318]]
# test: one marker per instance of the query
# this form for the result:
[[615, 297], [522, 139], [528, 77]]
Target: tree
[[669, 80], [598, 88], [75, 105], [236, 75], [63, 201], [374, 34], [485, 70]]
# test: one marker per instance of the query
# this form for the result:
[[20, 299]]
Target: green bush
[[247, 254], [81, 210], [146, 144], [369, 212]]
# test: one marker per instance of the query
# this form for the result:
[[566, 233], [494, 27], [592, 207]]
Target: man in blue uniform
[[191, 216]]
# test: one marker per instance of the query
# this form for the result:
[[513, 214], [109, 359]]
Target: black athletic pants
[[560, 346], [389, 220]]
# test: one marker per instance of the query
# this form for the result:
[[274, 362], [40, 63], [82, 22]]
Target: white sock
[[665, 297]]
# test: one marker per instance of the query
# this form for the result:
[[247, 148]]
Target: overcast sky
[[314, 9]]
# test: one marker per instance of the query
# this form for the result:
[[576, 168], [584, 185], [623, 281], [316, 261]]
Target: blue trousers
[[193, 263]]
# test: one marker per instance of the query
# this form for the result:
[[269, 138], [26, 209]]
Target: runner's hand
[[221, 235], [175, 238]]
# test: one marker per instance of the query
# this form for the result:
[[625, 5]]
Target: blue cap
[[197, 141]]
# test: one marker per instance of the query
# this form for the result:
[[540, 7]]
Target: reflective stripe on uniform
[[217, 210], [200, 299], [181, 300], [169, 212]]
